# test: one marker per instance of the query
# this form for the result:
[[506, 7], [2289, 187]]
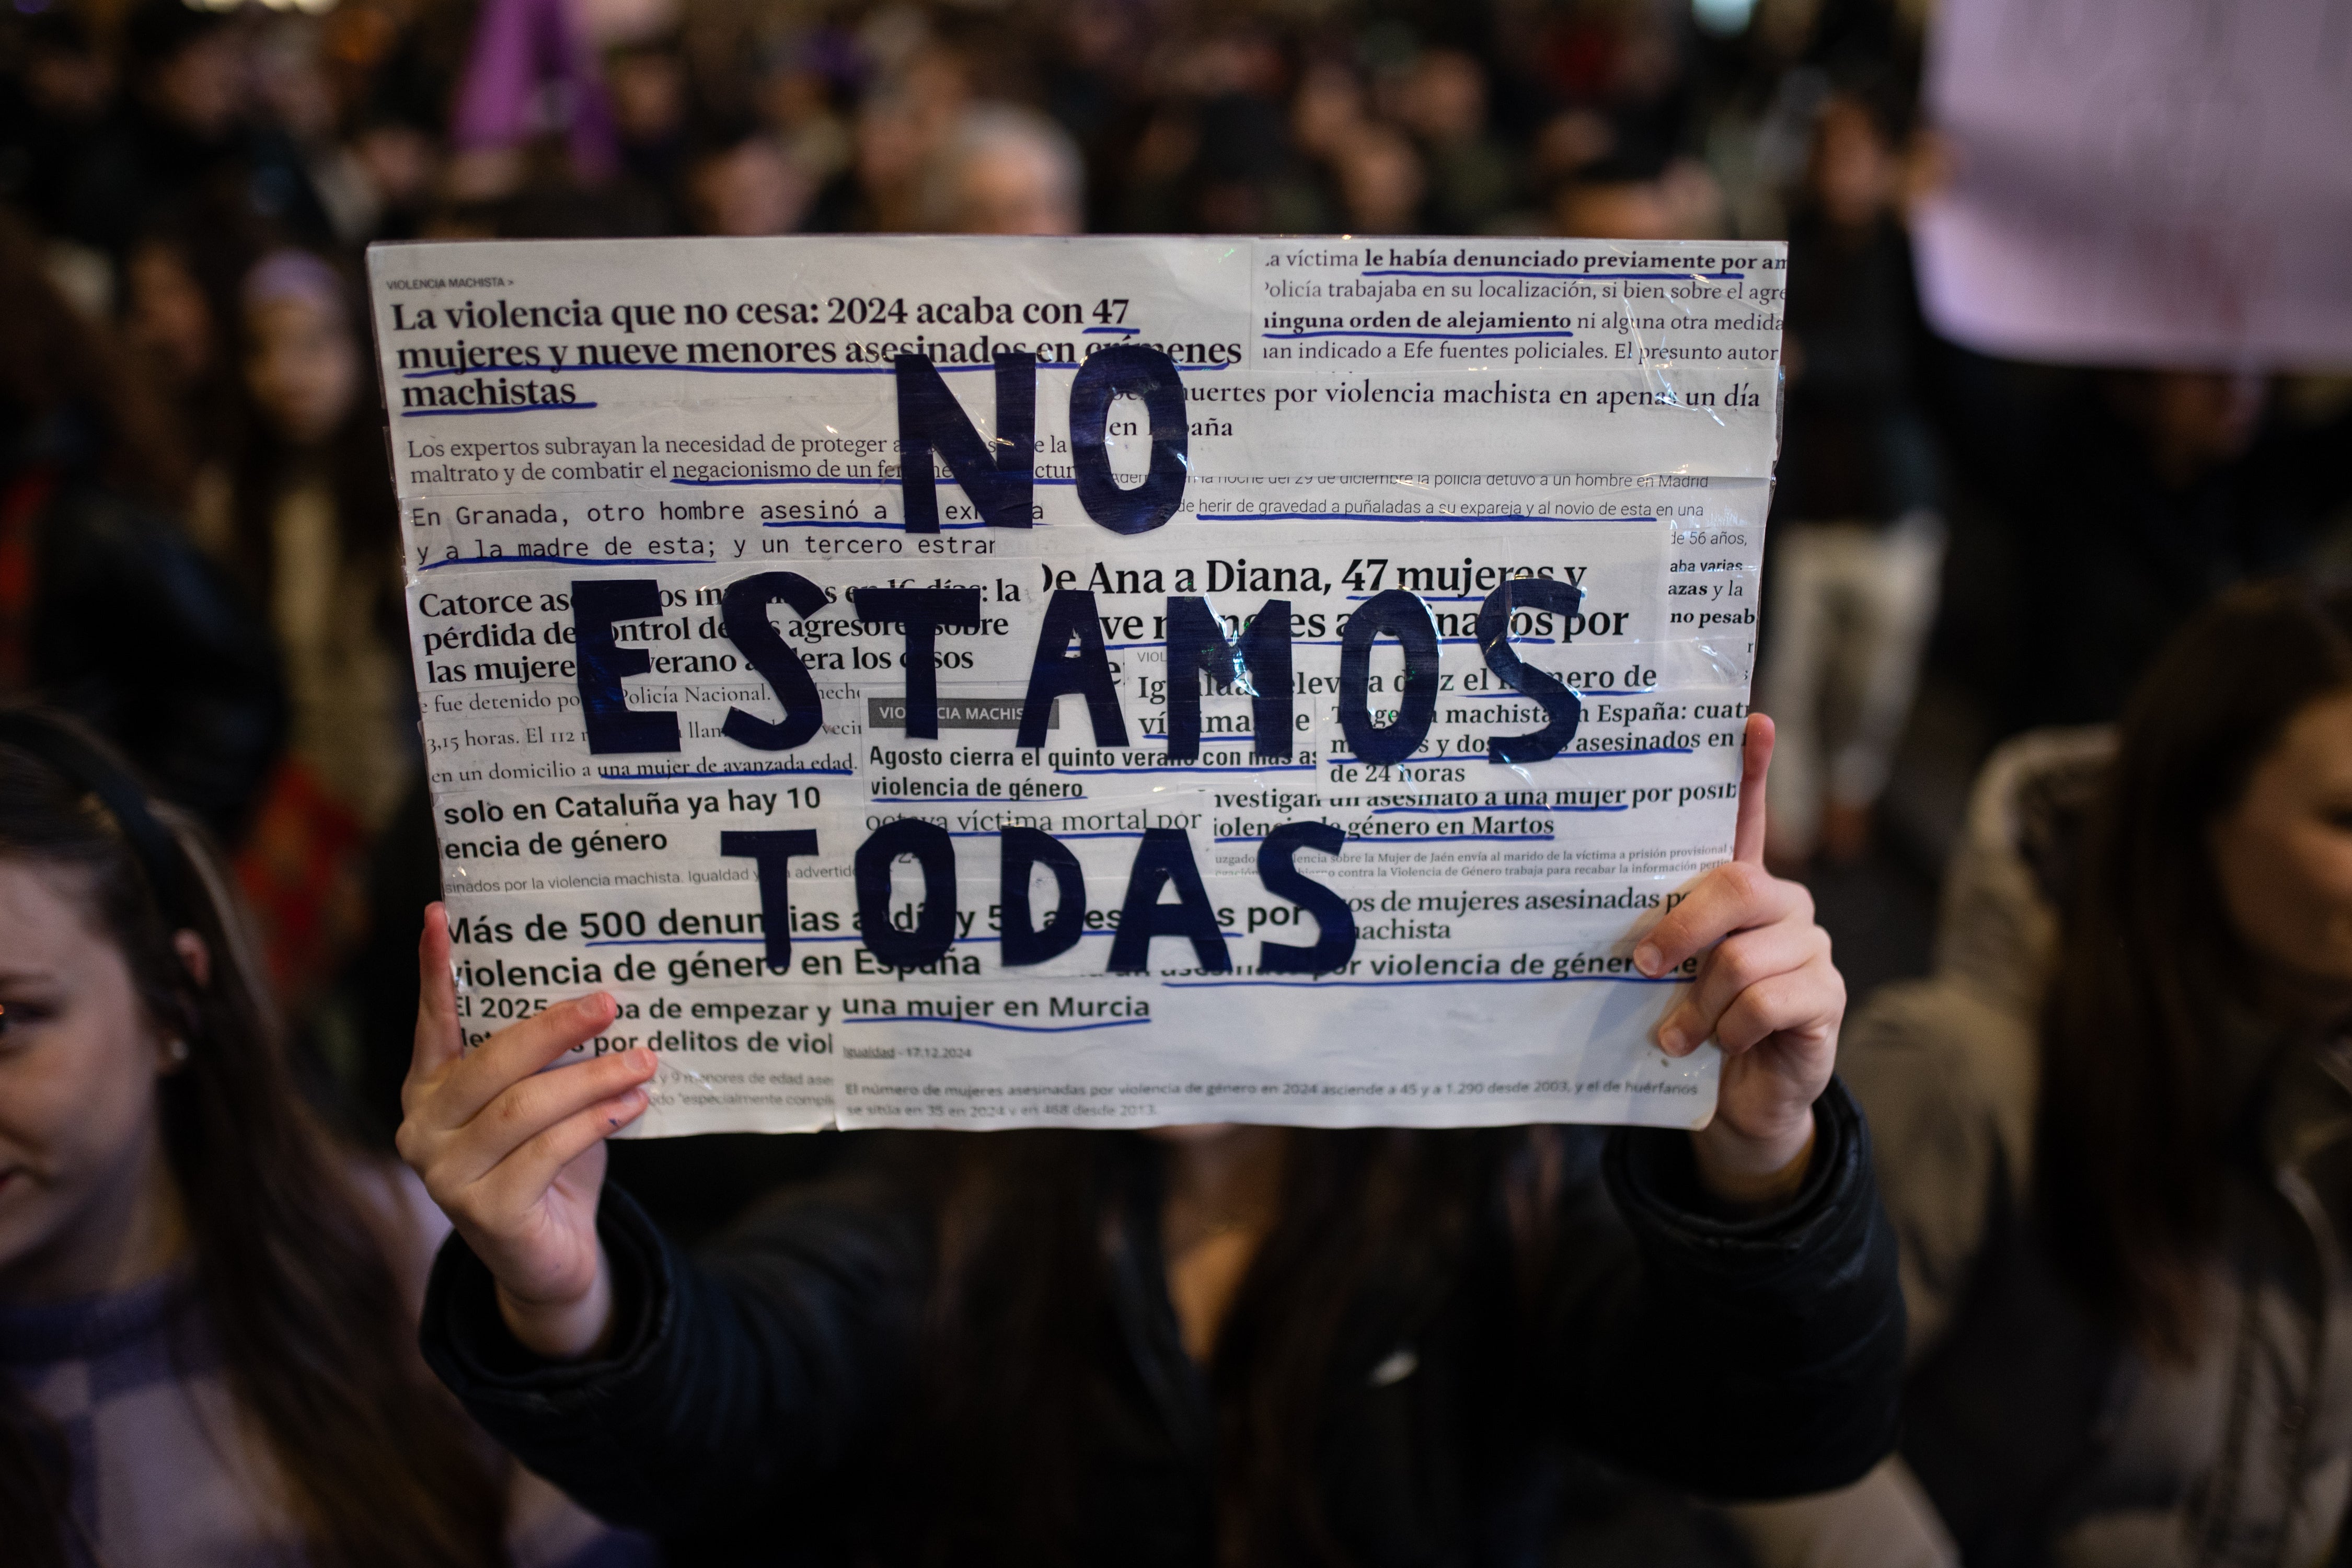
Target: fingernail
[[1671, 1040], [1648, 959], [643, 1059]]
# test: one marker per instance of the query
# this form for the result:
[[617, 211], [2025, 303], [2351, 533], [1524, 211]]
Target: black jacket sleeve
[[731, 1384], [1736, 1359]]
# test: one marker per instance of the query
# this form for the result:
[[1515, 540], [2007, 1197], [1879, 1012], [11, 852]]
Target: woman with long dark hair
[[314, 535], [206, 1345], [1219, 1344], [2117, 1125]]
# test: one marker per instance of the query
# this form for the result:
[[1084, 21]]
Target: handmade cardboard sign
[[1087, 683]]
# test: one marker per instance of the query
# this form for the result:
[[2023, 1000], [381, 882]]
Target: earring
[[177, 1049]]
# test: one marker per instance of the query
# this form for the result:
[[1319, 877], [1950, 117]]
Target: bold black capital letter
[[1197, 646], [1001, 484], [1165, 855], [744, 613], [772, 854], [1335, 942], [1129, 370], [1403, 616], [1056, 670], [935, 929], [1025, 850], [1563, 708], [924, 611], [612, 724]]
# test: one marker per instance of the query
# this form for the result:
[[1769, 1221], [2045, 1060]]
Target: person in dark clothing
[[1857, 444], [1192, 1346], [1857, 536], [177, 317], [107, 611]]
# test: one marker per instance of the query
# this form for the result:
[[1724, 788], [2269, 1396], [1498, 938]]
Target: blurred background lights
[[1723, 17]]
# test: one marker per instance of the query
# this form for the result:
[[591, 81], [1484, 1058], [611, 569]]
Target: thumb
[[1755, 757]]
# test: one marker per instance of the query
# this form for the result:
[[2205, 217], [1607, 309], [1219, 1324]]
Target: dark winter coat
[[753, 1405]]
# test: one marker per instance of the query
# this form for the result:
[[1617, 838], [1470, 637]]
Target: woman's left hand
[[1769, 995]]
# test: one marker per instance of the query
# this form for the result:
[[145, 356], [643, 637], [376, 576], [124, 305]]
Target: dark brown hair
[[1034, 1226], [380, 1468], [2144, 1076], [53, 363]]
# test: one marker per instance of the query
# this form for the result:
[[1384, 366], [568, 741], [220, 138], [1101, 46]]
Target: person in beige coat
[[2113, 1131]]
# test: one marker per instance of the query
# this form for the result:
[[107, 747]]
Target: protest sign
[[2158, 184], [1098, 682]]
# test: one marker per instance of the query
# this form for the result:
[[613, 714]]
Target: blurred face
[[2284, 858], [1380, 181], [1329, 109], [1853, 169], [795, 98], [303, 368], [1648, 63], [751, 189], [166, 314], [202, 86], [2195, 421], [84, 1191], [66, 83], [1683, 203], [290, 79], [648, 94], [399, 161], [1632, 209], [1572, 140], [1446, 100], [1008, 188], [891, 144]]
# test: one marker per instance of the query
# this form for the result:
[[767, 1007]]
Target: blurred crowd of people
[[198, 562], [329, 125]]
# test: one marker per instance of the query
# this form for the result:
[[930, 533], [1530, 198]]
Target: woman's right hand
[[515, 1155]]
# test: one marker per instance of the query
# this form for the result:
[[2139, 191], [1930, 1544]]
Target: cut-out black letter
[[1403, 616], [1001, 483], [597, 602], [924, 611], [1563, 708], [1335, 942], [1129, 370], [1197, 646], [744, 613], [1025, 850], [772, 854], [935, 929], [1165, 855], [1056, 670]]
